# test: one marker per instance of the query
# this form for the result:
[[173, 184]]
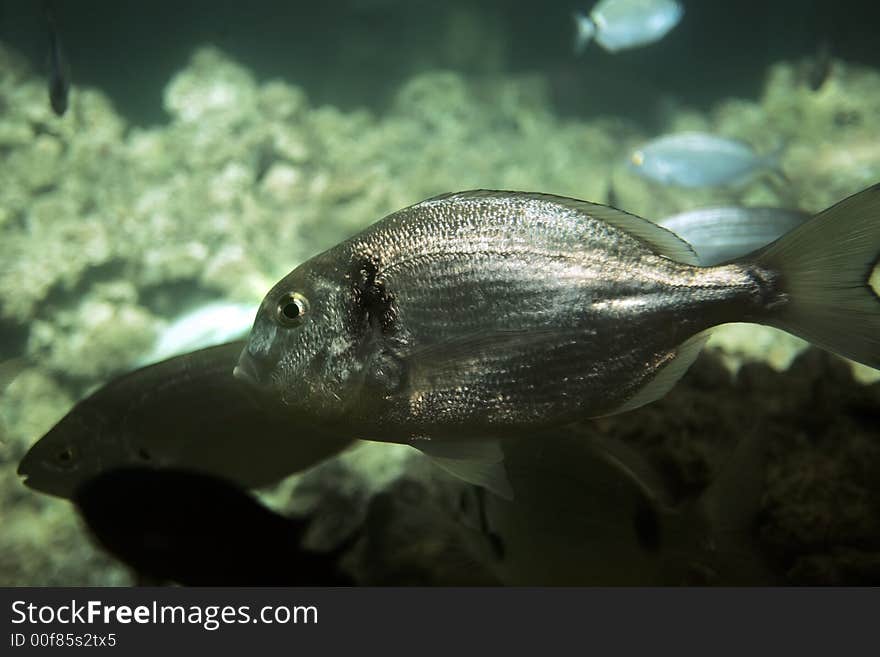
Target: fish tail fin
[[586, 30], [827, 268]]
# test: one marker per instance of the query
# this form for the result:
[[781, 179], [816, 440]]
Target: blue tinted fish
[[621, 24], [724, 233], [697, 159]]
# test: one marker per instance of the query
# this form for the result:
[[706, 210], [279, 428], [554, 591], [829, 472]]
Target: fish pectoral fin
[[478, 462], [667, 377]]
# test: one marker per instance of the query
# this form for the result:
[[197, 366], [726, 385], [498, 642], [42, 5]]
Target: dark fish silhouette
[[200, 530], [185, 412]]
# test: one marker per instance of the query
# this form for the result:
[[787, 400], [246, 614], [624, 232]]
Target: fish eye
[[291, 308], [66, 456]]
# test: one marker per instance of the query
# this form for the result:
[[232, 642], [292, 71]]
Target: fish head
[[301, 346], [71, 453]]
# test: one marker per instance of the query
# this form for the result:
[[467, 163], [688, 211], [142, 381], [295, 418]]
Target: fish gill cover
[[109, 231]]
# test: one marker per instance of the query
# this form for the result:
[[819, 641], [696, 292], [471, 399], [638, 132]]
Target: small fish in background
[[696, 159], [818, 68], [207, 325], [621, 24], [186, 412], [59, 71], [720, 234], [196, 529]]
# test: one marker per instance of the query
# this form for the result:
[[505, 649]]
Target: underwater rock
[[211, 85]]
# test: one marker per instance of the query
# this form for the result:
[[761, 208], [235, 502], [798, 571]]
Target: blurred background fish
[[206, 325], [718, 234], [698, 159], [59, 71], [622, 24]]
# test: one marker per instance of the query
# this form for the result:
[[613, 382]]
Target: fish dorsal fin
[[478, 462], [667, 377], [661, 240]]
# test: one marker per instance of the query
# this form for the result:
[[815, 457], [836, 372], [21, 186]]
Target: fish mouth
[[248, 370], [22, 470]]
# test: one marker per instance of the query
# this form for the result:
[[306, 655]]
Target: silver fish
[[187, 412], [724, 233], [697, 159], [479, 315], [621, 24]]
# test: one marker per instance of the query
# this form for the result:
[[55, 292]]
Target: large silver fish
[[484, 314]]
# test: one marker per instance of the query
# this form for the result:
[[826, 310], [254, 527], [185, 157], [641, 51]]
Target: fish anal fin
[[668, 376]]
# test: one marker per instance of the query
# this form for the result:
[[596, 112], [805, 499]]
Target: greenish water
[[213, 161]]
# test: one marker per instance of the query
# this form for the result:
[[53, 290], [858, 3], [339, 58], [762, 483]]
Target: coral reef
[[108, 231]]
